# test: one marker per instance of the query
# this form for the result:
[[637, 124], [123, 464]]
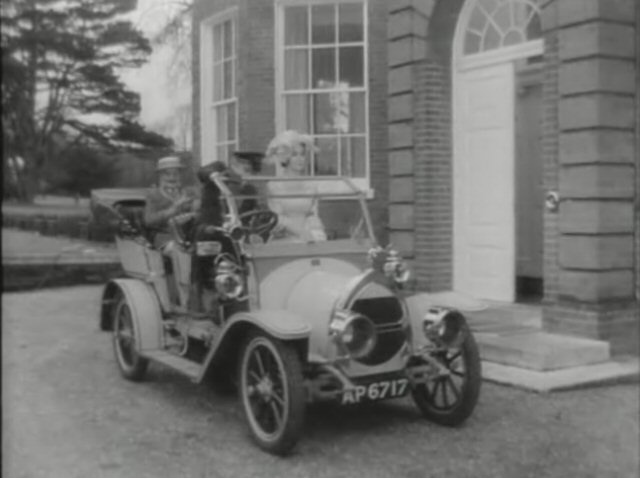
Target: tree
[[171, 27], [61, 64], [168, 24], [81, 169]]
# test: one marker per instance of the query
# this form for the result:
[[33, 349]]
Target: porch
[[516, 351]]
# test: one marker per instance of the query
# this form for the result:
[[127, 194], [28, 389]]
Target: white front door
[[483, 169]]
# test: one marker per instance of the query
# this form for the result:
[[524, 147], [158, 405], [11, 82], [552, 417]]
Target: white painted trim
[[461, 29], [500, 55], [206, 102]]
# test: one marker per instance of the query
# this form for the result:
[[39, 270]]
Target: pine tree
[[61, 82]]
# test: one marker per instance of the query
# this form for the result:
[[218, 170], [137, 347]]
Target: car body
[[289, 320]]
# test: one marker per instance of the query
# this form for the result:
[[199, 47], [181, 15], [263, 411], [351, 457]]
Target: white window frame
[[465, 61], [362, 183], [208, 129]]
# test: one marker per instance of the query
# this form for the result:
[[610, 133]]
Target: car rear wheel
[[131, 364], [451, 398], [272, 392]]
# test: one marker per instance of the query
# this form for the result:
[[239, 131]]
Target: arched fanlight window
[[497, 24]]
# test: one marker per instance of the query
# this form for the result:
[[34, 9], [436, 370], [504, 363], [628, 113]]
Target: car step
[[187, 367]]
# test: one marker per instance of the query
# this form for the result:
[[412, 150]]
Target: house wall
[[256, 88], [597, 264], [590, 144], [590, 157]]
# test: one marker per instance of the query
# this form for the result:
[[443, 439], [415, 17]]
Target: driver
[[169, 199]]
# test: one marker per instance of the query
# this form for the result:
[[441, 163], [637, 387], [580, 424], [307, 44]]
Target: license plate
[[380, 390], [208, 248]]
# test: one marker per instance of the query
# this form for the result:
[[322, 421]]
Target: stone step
[[541, 351], [614, 371]]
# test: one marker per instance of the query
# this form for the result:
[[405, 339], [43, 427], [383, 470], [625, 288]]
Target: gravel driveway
[[67, 413]]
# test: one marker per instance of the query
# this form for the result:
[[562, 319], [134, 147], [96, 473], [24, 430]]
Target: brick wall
[[420, 127], [256, 75], [594, 292], [378, 131], [550, 96]]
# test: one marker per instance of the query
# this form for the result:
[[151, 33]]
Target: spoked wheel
[[450, 399], [271, 388], [131, 364]]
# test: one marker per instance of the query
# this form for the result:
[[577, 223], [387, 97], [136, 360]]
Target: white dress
[[297, 216]]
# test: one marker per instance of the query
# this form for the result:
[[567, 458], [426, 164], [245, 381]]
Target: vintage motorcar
[[288, 318]]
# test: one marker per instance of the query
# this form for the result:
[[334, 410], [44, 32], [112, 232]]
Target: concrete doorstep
[[543, 362], [613, 371], [515, 351]]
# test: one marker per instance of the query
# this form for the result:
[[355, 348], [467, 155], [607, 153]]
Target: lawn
[[49, 206]]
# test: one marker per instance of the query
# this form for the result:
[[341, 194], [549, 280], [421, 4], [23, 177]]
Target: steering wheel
[[259, 222]]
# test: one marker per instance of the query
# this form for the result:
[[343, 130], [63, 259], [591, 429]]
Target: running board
[[182, 365]]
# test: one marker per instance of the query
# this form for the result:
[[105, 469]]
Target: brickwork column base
[[617, 324]]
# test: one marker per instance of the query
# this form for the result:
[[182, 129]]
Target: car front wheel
[[131, 364], [272, 392], [451, 398]]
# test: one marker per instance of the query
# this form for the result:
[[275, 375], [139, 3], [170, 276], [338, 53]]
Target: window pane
[[296, 26], [353, 155], [331, 112], [492, 38], [326, 163], [512, 37], [489, 5], [350, 16], [228, 78], [357, 113], [296, 69], [478, 20], [221, 123], [297, 112], [218, 42], [502, 17], [230, 150], [534, 29], [222, 154], [471, 43], [231, 121], [218, 84], [228, 39], [323, 68], [352, 65], [323, 24]]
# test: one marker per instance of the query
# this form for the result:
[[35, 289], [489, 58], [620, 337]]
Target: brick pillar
[[597, 181], [406, 31]]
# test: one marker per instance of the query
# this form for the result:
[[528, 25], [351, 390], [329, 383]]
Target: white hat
[[169, 162], [289, 139]]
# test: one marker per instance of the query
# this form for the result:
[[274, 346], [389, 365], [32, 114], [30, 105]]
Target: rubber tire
[[136, 370], [291, 367], [470, 392]]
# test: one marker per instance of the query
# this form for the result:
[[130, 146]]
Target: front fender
[[280, 324]]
